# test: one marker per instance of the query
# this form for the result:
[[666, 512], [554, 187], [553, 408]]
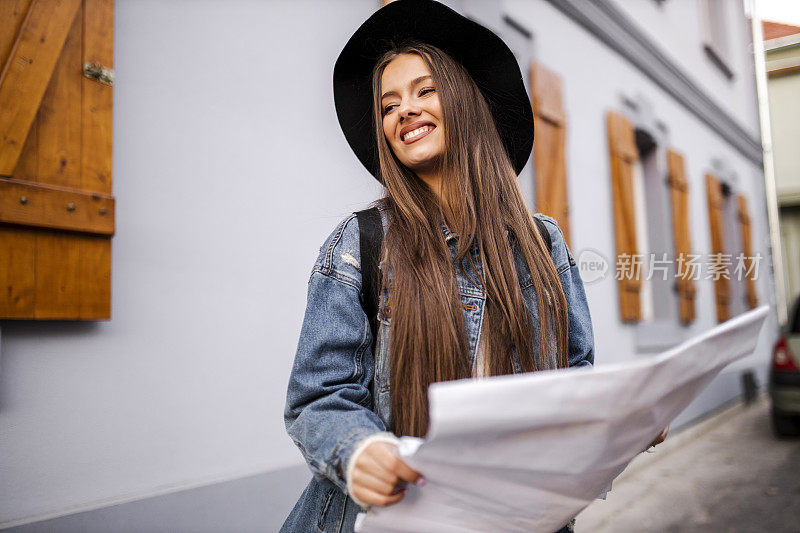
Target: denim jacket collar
[[448, 235]]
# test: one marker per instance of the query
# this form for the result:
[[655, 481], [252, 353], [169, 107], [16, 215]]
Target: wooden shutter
[[56, 207], [549, 156], [623, 155], [747, 245], [716, 219], [679, 195]]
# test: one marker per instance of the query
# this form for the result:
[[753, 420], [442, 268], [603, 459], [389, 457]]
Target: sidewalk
[[727, 473]]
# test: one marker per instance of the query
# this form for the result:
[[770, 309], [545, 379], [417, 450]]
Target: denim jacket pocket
[[382, 376], [326, 505], [382, 386], [332, 513]]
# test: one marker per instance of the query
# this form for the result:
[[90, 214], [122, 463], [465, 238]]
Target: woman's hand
[[379, 476], [660, 438]]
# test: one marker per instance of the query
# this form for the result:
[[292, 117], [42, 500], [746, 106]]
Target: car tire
[[784, 425]]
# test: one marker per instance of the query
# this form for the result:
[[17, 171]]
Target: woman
[[469, 287]]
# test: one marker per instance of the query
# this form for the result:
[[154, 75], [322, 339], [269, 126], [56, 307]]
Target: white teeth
[[416, 132]]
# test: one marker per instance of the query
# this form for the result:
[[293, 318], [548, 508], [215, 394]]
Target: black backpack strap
[[370, 231], [545, 234]]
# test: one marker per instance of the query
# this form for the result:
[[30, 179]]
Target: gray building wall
[[229, 170]]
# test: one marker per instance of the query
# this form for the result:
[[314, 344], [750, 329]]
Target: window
[[650, 195], [733, 247], [732, 265], [56, 206], [733, 268], [715, 42]]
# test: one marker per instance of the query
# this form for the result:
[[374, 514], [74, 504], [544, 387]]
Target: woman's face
[[412, 114]]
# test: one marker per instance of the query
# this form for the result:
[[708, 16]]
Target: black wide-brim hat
[[483, 54]]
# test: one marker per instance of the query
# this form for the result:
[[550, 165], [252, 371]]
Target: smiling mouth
[[417, 134]]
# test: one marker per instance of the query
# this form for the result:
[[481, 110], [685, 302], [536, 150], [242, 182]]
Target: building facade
[[647, 149], [782, 49]]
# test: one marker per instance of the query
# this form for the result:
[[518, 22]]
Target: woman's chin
[[422, 164]]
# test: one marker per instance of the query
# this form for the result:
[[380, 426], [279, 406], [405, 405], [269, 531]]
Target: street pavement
[[726, 474]]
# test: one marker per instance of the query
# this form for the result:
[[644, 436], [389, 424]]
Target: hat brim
[[483, 54]]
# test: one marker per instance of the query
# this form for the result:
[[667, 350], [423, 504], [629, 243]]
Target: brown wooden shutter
[[679, 195], [747, 245], [716, 226], [549, 156], [623, 155], [56, 207]]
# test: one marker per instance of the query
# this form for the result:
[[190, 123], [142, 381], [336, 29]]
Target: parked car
[[784, 381]]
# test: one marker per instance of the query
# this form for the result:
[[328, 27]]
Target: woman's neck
[[433, 179]]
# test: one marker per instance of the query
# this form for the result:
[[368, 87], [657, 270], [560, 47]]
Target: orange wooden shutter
[[56, 207], [623, 155], [549, 156], [717, 228], [679, 195], [745, 227]]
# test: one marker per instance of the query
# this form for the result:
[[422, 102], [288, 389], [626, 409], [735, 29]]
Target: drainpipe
[[769, 164]]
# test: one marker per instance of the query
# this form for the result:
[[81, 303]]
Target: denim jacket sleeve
[[329, 399], [581, 337]]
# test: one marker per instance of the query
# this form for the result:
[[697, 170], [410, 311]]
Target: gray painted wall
[[679, 28], [230, 169]]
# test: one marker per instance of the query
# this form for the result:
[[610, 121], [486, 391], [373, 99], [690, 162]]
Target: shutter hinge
[[97, 72]]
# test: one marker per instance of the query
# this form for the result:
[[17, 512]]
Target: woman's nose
[[408, 110]]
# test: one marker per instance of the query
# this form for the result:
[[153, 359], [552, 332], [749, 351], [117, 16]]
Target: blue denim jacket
[[338, 390]]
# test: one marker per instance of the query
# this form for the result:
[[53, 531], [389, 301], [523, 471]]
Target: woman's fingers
[[380, 476], [399, 468], [377, 467], [371, 497], [377, 483]]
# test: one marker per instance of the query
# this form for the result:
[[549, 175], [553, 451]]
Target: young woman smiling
[[434, 106]]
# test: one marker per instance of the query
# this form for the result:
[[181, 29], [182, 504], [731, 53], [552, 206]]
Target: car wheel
[[784, 425]]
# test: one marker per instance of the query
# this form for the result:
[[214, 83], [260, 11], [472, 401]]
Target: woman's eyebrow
[[413, 82]]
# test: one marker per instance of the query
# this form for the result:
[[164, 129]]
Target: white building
[[229, 171]]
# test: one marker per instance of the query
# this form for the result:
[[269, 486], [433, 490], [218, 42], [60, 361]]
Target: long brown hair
[[483, 205]]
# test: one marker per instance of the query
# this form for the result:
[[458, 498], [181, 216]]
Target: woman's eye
[[426, 90], [388, 108]]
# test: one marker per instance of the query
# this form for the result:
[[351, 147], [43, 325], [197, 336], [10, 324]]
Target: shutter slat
[[623, 155], [12, 15], [57, 289], [679, 196], [747, 243], [97, 97], [49, 206], [549, 154], [26, 73], [716, 227], [27, 168], [59, 118], [547, 94], [17, 272], [94, 277]]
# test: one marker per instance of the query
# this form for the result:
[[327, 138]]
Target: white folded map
[[528, 452]]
